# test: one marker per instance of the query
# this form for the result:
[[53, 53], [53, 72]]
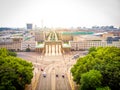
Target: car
[[63, 75], [41, 69], [75, 56], [56, 75], [44, 74]]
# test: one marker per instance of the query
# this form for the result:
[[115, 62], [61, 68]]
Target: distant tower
[[29, 26], [35, 27], [42, 23]]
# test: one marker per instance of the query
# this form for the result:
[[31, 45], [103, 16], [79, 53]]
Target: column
[[56, 49], [46, 49], [49, 49], [60, 50], [53, 49]]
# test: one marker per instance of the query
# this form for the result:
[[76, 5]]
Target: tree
[[12, 53], [27, 49], [103, 88], [90, 80], [4, 52], [15, 72], [92, 49], [103, 59]]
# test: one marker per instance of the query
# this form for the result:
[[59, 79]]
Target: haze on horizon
[[59, 13]]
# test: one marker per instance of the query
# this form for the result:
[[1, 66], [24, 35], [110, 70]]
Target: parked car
[[75, 56]]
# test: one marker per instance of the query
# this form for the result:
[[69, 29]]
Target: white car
[[44, 74]]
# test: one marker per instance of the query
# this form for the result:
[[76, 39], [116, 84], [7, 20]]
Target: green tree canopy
[[27, 49], [103, 88], [104, 59], [90, 80], [4, 52], [15, 72]]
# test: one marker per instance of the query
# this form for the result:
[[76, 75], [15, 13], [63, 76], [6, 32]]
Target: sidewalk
[[70, 81], [34, 81]]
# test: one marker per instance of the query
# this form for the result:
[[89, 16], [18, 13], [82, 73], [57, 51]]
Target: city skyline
[[60, 13]]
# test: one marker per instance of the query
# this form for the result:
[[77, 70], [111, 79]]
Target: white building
[[85, 42], [28, 42]]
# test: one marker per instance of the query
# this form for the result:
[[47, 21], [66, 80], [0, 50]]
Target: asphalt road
[[51, 82], [52, 65]]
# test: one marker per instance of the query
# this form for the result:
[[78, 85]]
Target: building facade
[[29, 26], [11, 44], [85, 45], [18, 44]]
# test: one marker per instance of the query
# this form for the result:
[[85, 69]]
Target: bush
[[28, 50]]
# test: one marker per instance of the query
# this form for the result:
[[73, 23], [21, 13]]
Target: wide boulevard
[[52, 66]]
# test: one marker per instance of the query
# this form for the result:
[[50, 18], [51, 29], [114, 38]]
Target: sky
[[59, 13]]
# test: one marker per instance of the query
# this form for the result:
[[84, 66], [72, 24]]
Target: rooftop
[[40, 46], [78, 33], [66, 46]]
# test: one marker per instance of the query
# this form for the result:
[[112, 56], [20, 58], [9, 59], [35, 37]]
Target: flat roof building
[[29, 26]]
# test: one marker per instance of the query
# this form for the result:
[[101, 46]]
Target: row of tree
[[15, 72], [99, 70]]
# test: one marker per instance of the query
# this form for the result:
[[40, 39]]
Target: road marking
[[53, 80]]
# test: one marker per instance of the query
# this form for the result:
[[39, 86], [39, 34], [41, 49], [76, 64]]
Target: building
[[39, 36], [18, 43], [28, 42], [12, 43], [29, 26], [88, 42]]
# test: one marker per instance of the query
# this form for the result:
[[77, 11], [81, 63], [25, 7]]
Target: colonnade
[[53, 49]]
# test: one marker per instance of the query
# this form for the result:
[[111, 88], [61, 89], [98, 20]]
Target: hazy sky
[[59, 13]]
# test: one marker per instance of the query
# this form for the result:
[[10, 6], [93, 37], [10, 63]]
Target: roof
[[26, 38], [77, 33], [40, 46], [66, 46], [90, 38]]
